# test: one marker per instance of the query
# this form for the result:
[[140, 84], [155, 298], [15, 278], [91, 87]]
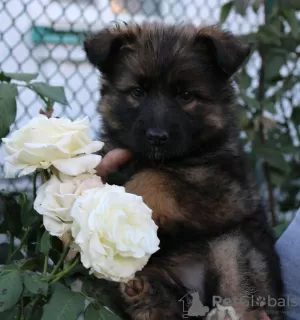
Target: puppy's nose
[[157, 136]]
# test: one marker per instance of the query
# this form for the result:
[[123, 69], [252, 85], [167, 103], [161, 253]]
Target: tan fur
[[257, 263], [217, 120], [107, 112], [225, 255], [153, 186]]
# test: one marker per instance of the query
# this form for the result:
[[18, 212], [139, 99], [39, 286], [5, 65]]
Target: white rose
[[114, 231], [50, 141], [55, 199]]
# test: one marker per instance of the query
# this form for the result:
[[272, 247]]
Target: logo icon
[[193, 306]]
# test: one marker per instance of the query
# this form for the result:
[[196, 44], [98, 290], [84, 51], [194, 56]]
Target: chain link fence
[[45, 36]]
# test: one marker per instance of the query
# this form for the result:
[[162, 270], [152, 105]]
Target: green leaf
[[28, 215], [277, 178], [64, 304], [289, 43], [31, 263], [284, 139], [8, 107], [274, 62], [289, 149], [272, 156], [34, 284], [9, 268], [245, 122], [11, 288], [241, 6], [244, 79], [291, 18], [53, 93], [10, 314], [274, 29], [269, 35], [256, 5], [251, 102], [26, 77], [225, 10], [269, 106], [4, 78], [279, 230], [295, 4], [45, 243], [93, 313]]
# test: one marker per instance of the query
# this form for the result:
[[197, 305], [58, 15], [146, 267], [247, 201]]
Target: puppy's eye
[[186, 96], [138, 92]]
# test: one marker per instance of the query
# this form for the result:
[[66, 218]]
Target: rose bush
[[114, 231], [41, 276], [46, 142]]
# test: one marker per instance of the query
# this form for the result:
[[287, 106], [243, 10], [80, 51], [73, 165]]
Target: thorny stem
[[22, 309], [61, 260], [65, 272], [45, 265]]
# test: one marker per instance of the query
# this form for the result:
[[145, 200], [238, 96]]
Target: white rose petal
[[114, 231], [55, 199], [78, 165], [46, 141]]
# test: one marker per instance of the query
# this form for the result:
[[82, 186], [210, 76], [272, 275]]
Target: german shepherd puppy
[[167, 95]]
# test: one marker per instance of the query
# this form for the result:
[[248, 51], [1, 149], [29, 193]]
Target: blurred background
[[45, 37]]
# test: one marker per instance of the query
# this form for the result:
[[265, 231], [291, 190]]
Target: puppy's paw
[[222, 313], [135, 289]]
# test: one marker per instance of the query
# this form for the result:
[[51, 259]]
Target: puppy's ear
[[228, 52], [103, 48]]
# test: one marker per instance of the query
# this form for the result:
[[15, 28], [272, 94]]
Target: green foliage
[[226, 10], [8, 107], [34, 283], [93, 313], [11, 287], [270, 117], [45, 245], [64, 304], [23, 77], [55, 94]]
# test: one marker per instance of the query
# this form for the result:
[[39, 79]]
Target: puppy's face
[[166, 91]]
